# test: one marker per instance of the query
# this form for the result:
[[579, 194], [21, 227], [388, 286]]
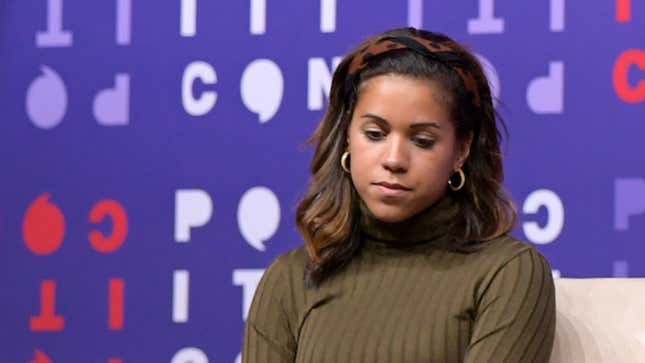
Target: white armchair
[[599, 320]]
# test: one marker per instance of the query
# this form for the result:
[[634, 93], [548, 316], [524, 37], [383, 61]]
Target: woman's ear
[[464, 151]]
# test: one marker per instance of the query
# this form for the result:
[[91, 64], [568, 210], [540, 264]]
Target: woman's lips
[[393, 185], [391, 190]]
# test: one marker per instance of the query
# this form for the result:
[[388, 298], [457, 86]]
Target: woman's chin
[[390, 213]]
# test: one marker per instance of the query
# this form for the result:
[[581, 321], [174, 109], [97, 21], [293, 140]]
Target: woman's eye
[[424, 142], [374, 134]]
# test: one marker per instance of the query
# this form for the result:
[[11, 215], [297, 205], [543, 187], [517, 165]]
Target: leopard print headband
[[438, 51]]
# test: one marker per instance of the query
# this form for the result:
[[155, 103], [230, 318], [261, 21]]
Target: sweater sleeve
[[515, 315], [267, 335]]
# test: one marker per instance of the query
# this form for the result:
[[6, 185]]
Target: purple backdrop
[[153, 154]]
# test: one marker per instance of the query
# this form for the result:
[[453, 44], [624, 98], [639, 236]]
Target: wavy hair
[[328, 214]]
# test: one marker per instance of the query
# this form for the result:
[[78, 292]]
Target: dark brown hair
[[328, 214]]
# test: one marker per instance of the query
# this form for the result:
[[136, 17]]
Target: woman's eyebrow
[[413, 126], [375, 117], [425, 124]]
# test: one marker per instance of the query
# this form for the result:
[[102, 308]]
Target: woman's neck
[[430, 225]]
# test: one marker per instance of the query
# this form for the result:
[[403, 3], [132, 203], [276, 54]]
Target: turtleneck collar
[[431, 224]]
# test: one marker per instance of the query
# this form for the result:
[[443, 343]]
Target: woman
[[405, 222]]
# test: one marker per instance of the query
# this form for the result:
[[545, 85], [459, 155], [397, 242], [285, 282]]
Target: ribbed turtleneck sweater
[[406, 296]]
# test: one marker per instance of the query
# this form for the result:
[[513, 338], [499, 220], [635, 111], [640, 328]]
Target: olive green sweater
[[405, 297]]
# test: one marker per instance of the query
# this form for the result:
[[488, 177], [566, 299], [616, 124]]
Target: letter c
[[555, 221], [621, 68], [201, 105], [109, 208]]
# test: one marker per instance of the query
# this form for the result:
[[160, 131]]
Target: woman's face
[[402, 146]]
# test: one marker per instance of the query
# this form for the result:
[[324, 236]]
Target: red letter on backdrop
[[623, 11], [113, 209], [47, 320], [621, 83], [115, 301]]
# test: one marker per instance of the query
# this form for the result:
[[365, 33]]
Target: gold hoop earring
[[343, 161], [462, 181]]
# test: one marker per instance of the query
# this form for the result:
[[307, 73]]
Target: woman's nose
[[395, 157]]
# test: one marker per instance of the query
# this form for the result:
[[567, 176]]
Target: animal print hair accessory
[[439, 51]]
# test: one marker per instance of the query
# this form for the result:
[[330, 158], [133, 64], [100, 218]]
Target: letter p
[[193, 208]]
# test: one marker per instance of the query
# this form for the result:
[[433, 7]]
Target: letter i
[[115, 303], [623, 11], [180, 296]]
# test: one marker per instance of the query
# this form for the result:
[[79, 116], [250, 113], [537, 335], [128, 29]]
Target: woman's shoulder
[[286, 271], [277, 302], [505, 247], [281, 285], [289, 262], [507, 252], [509, 255]]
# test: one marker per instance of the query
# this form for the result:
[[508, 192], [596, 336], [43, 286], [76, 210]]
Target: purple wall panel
[[152, 154]]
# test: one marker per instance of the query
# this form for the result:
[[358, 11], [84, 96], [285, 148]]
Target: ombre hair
[[328, 214]]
